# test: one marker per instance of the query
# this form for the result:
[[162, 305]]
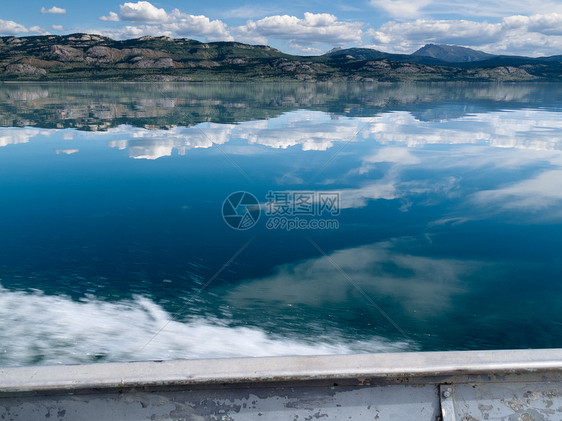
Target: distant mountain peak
[[452, 53], [334, 50]]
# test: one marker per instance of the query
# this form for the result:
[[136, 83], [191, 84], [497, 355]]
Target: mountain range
[[93, 57]]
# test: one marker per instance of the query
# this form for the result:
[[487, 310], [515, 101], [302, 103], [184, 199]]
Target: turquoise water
[[386, 218]]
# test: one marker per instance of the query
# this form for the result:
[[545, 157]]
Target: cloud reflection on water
[[421, 286], [526, 137]]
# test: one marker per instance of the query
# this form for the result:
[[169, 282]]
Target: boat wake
[[40, 329]]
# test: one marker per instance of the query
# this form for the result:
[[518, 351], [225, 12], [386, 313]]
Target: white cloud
[[386, 189], [54, 10], [530, 130], [397, 155], [320, 27], [541, 192], [112, 17], [250, 11], [66, 151], [150, 148], [312, 130], [426, 285], [68, 134], [129, 31], [407, 36], [391, 187], [401, 8], [536, 130], [13, 135], [188, 25], [247, 35], [401, 156], [348, 8], [38, 30], [157, 22], [490, 9], [305, 49], [550, 24], [417, 9], [534, 35], [57, 27], [174, 30], [142, 11], [11, 28], [154, 144]]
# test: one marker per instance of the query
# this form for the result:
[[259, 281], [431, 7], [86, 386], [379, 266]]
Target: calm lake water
[[375, 218]]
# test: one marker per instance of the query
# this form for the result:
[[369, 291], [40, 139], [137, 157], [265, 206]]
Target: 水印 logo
[[241, 210]]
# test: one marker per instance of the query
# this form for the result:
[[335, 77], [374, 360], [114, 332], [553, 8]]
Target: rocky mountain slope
[[90, 57]]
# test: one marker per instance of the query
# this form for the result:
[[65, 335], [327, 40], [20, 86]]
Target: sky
[[307, 27]]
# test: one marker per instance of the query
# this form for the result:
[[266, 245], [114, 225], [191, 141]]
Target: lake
[[168, 221]]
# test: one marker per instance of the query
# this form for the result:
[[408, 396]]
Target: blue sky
[[306, 27]]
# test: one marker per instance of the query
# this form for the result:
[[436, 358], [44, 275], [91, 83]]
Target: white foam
[[42, 329]]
